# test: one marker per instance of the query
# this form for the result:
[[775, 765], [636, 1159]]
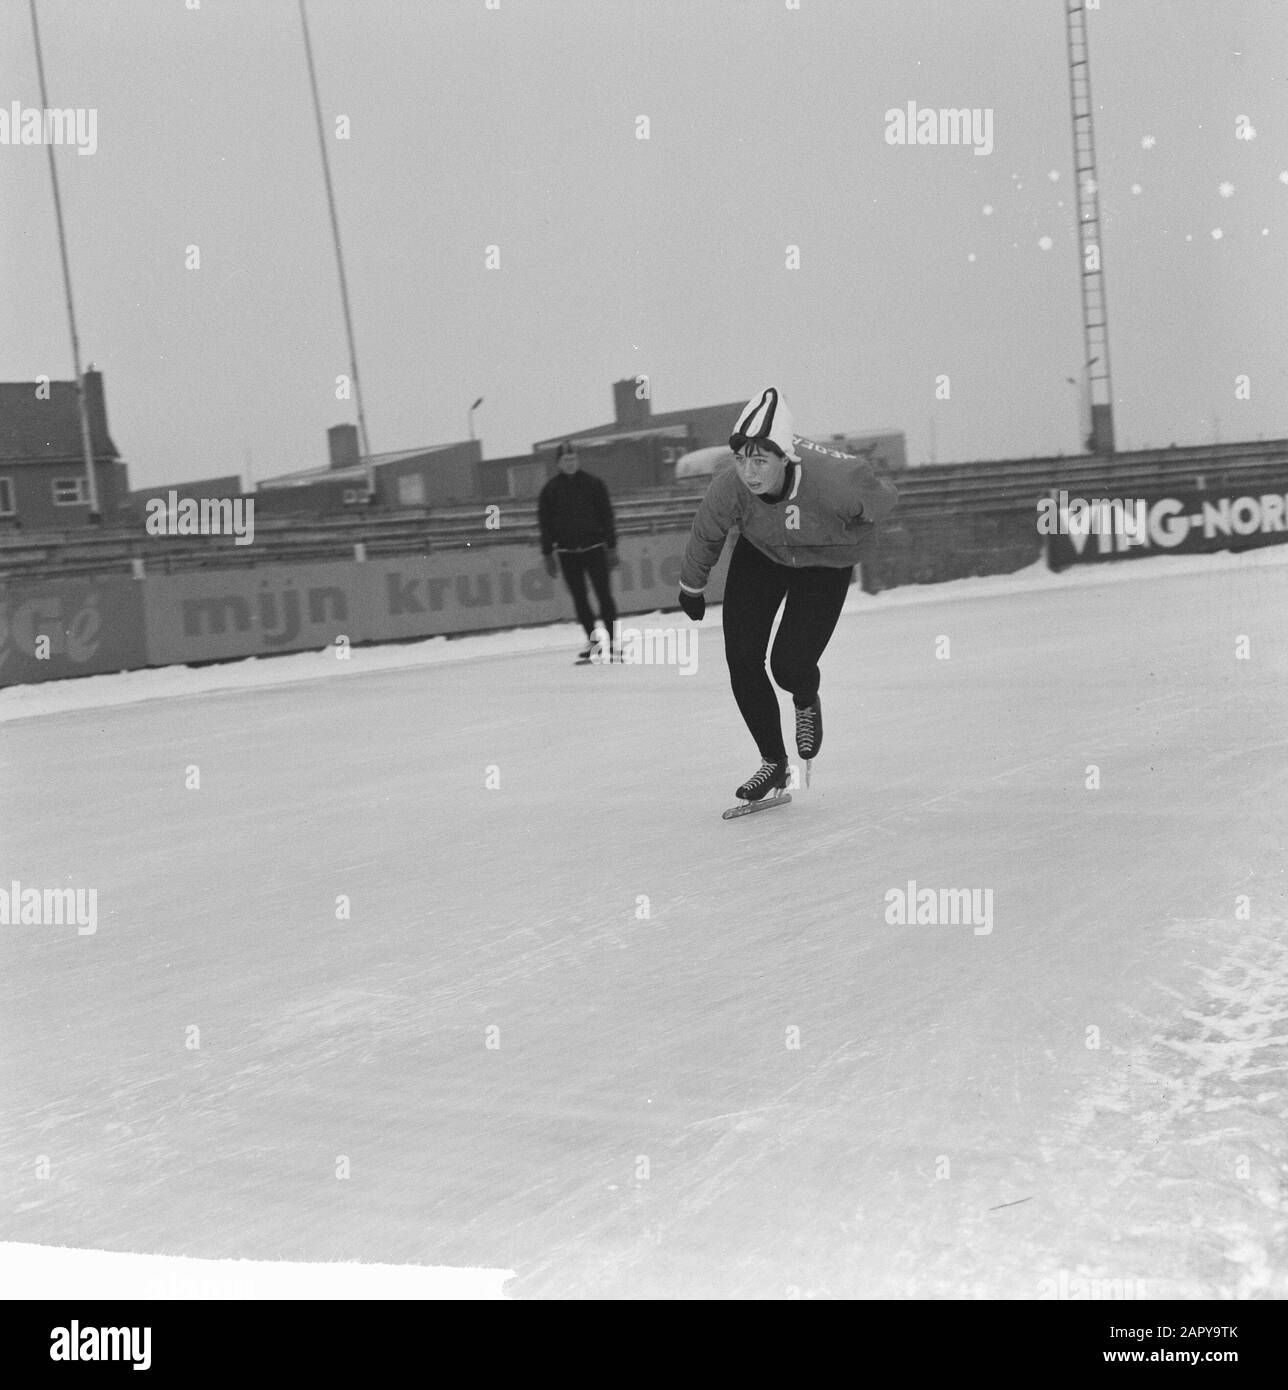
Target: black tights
[[576, 566], [754, 589]]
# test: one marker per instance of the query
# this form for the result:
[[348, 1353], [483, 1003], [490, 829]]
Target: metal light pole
[[470, 416], [339, 259], [1095, 313], [82, 406]]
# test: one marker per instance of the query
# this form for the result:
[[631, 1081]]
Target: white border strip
[[53, 1272]]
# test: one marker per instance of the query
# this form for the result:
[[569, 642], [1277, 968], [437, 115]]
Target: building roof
[[401, 455], [48, 431], [613, 436], [304, 476], [357, 471], [658, 421]]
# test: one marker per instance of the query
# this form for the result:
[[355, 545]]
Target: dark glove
[[552, 567], [610, 557], [695, 605]]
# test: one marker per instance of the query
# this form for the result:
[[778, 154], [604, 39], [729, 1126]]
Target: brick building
[[135, 507], [435, 475], [635, 451], [43, 485]]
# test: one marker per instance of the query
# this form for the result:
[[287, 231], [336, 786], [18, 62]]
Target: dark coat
[[574, 513]]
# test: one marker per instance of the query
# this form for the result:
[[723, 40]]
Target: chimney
[[629, 412], [96, 409], [342, 441]]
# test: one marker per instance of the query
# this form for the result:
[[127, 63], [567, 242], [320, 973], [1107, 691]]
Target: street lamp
[[470, 417]]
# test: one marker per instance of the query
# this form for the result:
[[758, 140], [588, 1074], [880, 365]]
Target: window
[[354, 495], [526, 479], [6, 497], [411, 490], [70, 492]]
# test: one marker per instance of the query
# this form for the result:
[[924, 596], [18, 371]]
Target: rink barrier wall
[[70, 627], [214, 615], [934, 548], [1182, 522], [92, 626]]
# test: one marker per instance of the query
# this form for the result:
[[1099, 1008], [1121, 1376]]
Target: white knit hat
[[765, 420]]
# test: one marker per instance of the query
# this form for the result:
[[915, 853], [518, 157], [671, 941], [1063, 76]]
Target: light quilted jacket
[[828, 517]]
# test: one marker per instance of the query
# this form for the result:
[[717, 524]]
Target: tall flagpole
[[87, 446], [339, 257]]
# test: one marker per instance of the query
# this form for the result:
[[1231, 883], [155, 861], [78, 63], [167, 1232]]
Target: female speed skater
[[805, 514]]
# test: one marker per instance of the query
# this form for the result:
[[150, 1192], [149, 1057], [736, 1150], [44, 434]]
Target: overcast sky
[[517, 127]]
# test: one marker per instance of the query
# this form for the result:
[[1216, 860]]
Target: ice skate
[[809, 733], [764, 788]]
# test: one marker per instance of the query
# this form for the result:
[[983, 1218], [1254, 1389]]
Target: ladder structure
[[1097, 384]]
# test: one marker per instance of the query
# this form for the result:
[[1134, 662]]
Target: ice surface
[[643, 1122]]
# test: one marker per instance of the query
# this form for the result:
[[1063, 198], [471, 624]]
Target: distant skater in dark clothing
[[576, 520]]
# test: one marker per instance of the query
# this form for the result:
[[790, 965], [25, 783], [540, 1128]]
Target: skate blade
[[748, 808], [809, 767]]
